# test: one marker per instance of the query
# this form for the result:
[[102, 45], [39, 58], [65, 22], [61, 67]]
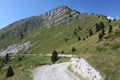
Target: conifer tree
[[110, 29], [54, 56], [79, 38], [103, 32], [90, 32], [73, 49], [10, 72], [7, 58], [100, 36]]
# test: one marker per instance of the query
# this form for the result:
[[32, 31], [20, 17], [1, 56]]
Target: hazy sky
[[12, 10]]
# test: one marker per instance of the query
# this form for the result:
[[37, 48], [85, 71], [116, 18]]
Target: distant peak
[[62, 7], [65, 7]]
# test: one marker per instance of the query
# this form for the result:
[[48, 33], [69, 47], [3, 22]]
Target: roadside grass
[[75, 75], [23, 68]]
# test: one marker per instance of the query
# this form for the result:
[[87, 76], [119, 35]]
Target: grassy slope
[[103, 55]]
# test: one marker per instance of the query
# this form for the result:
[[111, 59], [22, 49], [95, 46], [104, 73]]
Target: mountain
[[70, 32], [56, 16]]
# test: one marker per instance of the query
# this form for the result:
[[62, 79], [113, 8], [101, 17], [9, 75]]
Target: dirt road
[[53, 72]]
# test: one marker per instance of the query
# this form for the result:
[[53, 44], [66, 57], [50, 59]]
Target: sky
[[13, 10]]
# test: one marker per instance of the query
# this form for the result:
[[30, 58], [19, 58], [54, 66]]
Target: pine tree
[[90, 32], [103, 32], [99, 26], [7, 58], [100, 36], [73, 49], [54, 56], [62, 52], [83, 39], [102, 25], [110, 29], [79, 38], [109, 20], [21, 35], [10, 72]]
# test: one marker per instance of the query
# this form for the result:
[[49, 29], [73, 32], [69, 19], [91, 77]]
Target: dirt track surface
[[53, 72]]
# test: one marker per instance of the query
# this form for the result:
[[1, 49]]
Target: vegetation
[[73, 49], [99, 26], [79, 38], [7, 57], [103, 32], [110, 29], [100, 36], [90, 32], [54, 56], [10, 72], [22, 69]]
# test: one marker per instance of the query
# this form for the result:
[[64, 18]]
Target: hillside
[[61, 29]]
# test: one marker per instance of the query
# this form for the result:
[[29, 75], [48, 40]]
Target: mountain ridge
[[50, 18]]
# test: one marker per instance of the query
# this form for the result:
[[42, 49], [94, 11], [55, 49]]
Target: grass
[[76, 75], [23, 69]]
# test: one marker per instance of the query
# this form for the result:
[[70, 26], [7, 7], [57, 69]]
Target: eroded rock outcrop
[[15, 48], [81, 67]]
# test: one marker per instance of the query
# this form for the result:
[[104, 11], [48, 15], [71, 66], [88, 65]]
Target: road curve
[[52, 72]]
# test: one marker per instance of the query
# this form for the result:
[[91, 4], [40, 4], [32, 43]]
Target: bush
[[66, 39]]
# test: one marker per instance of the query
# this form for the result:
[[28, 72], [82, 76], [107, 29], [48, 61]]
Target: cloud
[[117, 18], [109, 17]]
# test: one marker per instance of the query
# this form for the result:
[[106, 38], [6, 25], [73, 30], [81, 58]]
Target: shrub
[[66, 39]]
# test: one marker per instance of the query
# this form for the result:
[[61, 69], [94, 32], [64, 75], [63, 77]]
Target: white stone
[[81, 67], [15, 48]]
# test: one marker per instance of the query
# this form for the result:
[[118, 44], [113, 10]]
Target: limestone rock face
[[61, 15], [15, 48], [81, 67]]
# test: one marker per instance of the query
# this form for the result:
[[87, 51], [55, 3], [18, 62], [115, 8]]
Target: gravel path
[[53, 72]]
